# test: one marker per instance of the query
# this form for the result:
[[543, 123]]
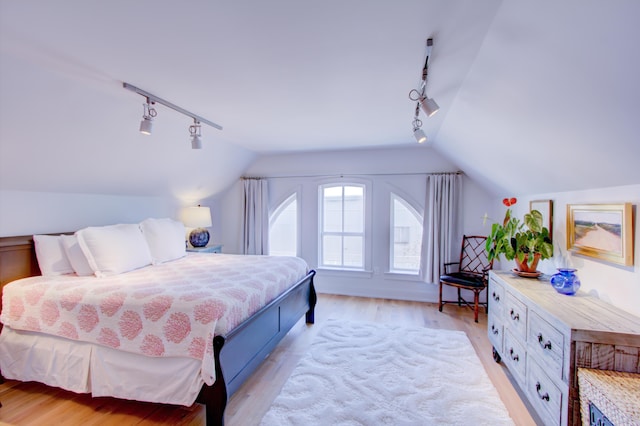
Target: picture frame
[[546, 208], [602, 231]]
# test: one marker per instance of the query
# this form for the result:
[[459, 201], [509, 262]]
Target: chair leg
[[476, 296], [440, 299], [459, 297]]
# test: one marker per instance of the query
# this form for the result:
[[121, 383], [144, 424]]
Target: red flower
[[509, 201]]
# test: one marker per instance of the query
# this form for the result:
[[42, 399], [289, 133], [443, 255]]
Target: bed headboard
[[17, 259]]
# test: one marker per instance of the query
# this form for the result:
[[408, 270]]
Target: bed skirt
[[87, 368]]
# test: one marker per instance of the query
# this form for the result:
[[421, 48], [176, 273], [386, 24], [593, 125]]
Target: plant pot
[[524, 266]]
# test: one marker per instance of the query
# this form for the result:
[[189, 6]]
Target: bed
[[236, 352]]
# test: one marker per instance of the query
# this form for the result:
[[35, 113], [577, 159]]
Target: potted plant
[[525, 241]]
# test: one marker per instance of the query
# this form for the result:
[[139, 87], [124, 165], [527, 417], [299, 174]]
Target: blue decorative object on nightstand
[[199, 237]]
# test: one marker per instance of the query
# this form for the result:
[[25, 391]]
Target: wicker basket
[[616, 394]]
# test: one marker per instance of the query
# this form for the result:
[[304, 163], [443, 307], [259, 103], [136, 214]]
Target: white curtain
[[440, 227], [256, 217]]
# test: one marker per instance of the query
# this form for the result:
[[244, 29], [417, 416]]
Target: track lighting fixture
[[150, 112], [428, 105], [194, 130]]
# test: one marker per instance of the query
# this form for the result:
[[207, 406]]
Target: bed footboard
[[239, 353]]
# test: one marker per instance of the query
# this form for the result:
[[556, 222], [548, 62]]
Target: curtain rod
[[351, 175]]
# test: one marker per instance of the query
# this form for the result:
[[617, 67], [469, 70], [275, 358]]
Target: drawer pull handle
[[546, 345], [514, 357], [496, 297], [494, 329], [543, 397], [514, 316]]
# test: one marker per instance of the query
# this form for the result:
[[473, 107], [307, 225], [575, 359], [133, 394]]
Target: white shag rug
[[358, 373]]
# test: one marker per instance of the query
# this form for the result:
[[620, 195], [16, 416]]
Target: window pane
[[353, 255], [283, 229], [332, 250], [332, 213], [406, 236], [353, 209]]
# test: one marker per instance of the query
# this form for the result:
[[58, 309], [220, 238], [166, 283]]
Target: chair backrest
[[473, 256]]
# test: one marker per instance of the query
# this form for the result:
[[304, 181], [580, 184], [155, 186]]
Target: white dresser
[[543, 337]]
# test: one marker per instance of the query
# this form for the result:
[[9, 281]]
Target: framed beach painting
[[546, 208], [602, 231]]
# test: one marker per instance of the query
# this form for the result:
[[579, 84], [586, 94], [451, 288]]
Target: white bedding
[[209, 294]]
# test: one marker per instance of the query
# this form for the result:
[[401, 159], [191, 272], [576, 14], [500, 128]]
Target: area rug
[[358, 373]]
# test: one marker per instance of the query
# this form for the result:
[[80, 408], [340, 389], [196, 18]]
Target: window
[[283, 228], [406, 236], [342, 226]]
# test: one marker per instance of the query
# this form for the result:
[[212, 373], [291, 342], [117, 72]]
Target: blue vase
[[565, 281]]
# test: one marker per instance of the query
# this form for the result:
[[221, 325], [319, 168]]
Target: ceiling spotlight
[[146, 124], [194, 131], [429, 106], [418, 133]]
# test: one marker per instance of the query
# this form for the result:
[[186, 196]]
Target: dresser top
[[582, 313]]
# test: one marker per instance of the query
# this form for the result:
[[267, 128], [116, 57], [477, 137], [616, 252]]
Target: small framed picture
[[602, 231], [546, 208]]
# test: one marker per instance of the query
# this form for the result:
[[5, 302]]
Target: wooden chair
[[472, 273]]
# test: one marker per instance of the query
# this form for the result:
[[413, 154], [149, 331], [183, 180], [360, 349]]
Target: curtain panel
[[255, 235], [441, 223]]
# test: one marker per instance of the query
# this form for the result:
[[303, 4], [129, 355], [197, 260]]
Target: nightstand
[[213, 248]]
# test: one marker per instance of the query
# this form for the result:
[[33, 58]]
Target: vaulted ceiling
[[535, 96]]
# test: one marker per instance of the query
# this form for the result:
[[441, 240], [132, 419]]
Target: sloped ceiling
[[535, 96]]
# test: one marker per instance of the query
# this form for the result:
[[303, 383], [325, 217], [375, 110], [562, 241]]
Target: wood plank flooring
[[36, 404]]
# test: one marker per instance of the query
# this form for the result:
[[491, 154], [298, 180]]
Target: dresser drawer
[[515, 356], [515, 317], [546, 343], [495, 332], [495, 298], [543, 394]]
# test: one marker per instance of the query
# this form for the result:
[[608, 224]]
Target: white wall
[[387, 169], [26, 213], [616, 284]]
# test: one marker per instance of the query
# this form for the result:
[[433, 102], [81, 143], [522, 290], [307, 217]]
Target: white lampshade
[[196, 217]]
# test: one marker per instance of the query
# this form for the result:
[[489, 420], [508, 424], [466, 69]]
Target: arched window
[[283, 228], [406, 236]]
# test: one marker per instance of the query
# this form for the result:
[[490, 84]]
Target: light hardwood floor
[[36, 404]]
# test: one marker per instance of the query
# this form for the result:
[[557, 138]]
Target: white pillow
[[114, 249], [51, 256], [165, 237], [76, 257]]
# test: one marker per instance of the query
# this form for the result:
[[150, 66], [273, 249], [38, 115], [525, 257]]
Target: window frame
[[367, 220]]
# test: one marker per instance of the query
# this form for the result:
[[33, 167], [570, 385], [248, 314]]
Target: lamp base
[[199, 237]]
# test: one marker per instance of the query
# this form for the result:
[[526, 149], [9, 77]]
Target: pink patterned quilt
[[167, 310]]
